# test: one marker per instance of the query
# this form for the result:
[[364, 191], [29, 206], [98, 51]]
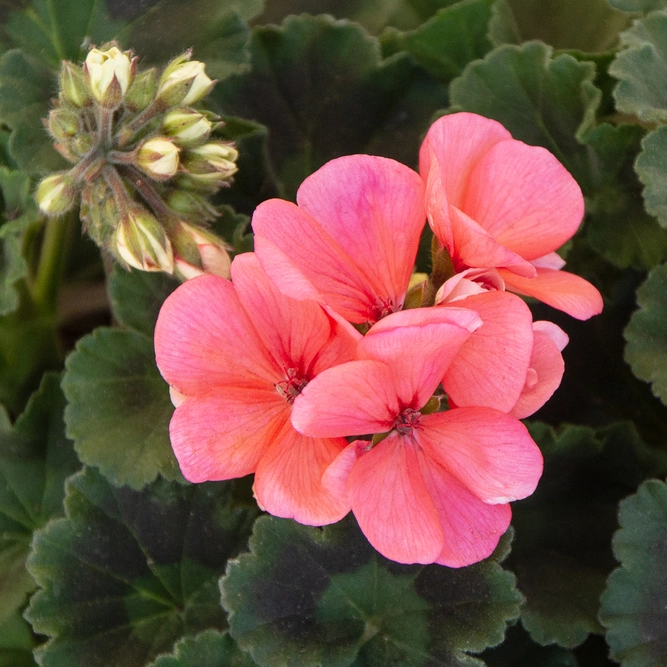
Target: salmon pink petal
[[467, 283], [547, 363], [335, 476], [488, 451], [490, 368], [524, 198], [457, 142], [418, 345], [560, 289], [471, 528], [288, 481], [552, 260], [553, 331], [203, 338], [392, 504], [437, 206], [292, 331], [223, 434], [355, 398], [475, 247]]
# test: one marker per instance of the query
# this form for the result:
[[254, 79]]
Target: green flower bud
[[63, 124], [142, 90], [142, 243], [56, 194], [198, 251], [212, 163], [73, 86], [99, 211], [158, 158], [183, 82], [191, 205], [186, 127], [108, 75]]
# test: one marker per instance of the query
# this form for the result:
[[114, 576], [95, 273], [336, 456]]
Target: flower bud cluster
[[145, 161]]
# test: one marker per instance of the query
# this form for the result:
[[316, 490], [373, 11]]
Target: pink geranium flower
[[236, 354], [437, 487], [493, 201]]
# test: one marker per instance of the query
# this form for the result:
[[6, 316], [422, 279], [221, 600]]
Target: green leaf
[[137, 296], [638, 5], [561, 554], [322, 90], [543, 101], [646, 333], [208, 649], [617, 226], [118, 408], [445, 44], [634, 605], [641, 69], [128, 573], [324, 597], [35, 460], [651, 167], [26, 88], [60, 30], [16, 642], [214, 28], [235, 229]]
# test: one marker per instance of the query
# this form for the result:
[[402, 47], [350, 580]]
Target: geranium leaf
[[561, 554], [16, 642], [35, 460], [208, 649], [118, 407], [127, 573], [617, 226], [323, 90], [646, 333], [638, 5], [307, 596], [542, 100], [446, 43], [641, 69], [651, 167], [634, 605], [136, 297], [215, 29]]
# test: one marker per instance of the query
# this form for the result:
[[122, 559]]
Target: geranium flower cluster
[[345, 382]]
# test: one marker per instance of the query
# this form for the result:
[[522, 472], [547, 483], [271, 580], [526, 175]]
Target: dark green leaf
[[35, 460], [651, 167], [307, 596], [235, 229], [638, 5], [322, 90], [646, 333], [208, 649], [561, 554], [617, 225], [641, 69], [445, 44], [128, 573], [541, 100], [16, 642], [118, 407], [634, 605], [137, 296], [214, 28]]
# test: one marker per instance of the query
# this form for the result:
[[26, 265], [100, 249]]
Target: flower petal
[[203, 339], [223, 434], [355, 398], [490, 368], [392, 504], [560, 289], [288, 481], [471, 527], [488, 451]]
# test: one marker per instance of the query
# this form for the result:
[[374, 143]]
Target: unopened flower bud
[[197, 251], [108, 74], [142, 243], [158, 158], [183, 82], [56, 194], [142, 91], [62, 124], [211, 164], [191, 205], [186, 127], [73, 86]]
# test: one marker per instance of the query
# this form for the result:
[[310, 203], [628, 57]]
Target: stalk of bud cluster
[[56, 194], [108, 74], [158, 158], [186, 127], [197, 251], [142, 243], [183, 82]]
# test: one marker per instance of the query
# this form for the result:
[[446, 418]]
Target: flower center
[[382, 308], [291, 387], [407, 421]]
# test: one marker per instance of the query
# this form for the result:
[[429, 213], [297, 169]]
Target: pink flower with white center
[[495, 202], [437, 487], [236, 355]]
